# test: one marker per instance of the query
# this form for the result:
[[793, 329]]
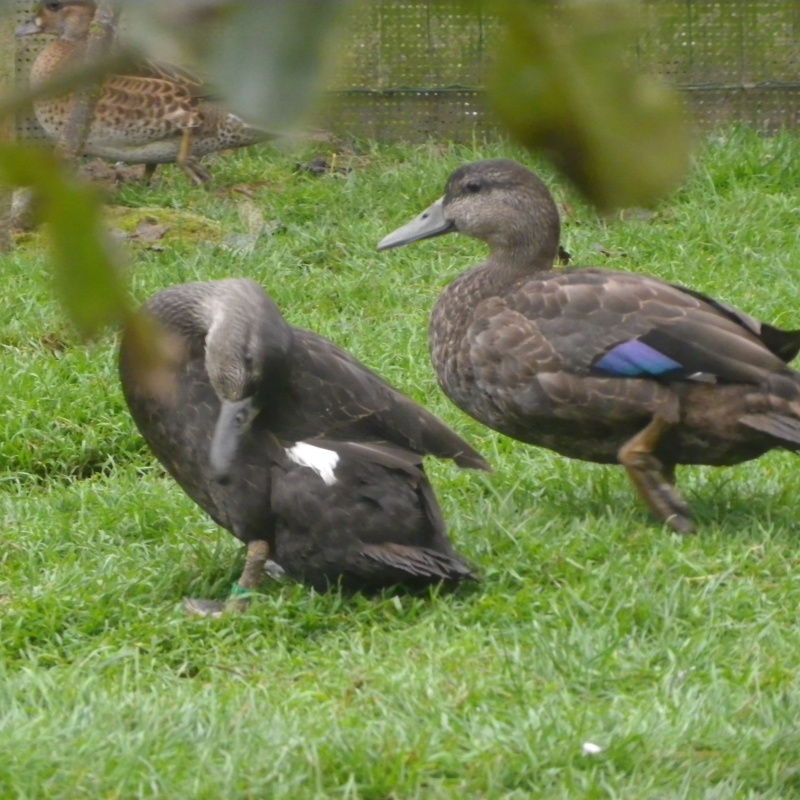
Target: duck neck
[[75, 26], [512, 259], [526, 244], [507, 265], [52, 61]]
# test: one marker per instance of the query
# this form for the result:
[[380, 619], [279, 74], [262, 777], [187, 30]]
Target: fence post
[[8, 52]]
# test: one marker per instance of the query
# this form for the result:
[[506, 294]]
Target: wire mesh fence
[[735, 60], [413, 70]]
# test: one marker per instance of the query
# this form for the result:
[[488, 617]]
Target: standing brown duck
[[158, 116], [598, 365], [291, 444]]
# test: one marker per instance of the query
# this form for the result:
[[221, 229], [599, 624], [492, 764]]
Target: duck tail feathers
[[420, 563], [438, 440], [784, 428], [472, 460], [252, 135]]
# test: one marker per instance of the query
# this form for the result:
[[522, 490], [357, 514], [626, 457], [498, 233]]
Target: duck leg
[[149, 170], [253, 572], [653, 480], [239, 598], [189, 165]]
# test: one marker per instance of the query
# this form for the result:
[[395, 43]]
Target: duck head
[[498, 201], [246, 351], [68, 19]]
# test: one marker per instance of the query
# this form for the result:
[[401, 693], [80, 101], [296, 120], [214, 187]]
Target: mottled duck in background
[[159, 115], [291, 444], [598, 365]]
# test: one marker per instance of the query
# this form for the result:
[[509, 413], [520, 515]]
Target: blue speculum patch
[[634, 358]]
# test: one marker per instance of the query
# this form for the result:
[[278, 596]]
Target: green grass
[[679, 656]]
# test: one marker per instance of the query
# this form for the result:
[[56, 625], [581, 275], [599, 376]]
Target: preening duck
[[245, 399], [160, 115], [594, 364]]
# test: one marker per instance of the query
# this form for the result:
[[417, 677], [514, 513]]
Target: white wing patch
[[322, 461]]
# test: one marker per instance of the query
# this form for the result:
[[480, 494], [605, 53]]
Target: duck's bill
[[233, 422], [431, 222], [28, 28]]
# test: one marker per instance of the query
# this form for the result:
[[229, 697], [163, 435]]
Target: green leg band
[[238, 592]]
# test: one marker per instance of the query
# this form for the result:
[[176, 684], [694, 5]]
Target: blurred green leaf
[[267, 59], [86, 272], [563, 83]]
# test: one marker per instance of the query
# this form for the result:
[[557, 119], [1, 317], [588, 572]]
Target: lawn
[[679, 657]]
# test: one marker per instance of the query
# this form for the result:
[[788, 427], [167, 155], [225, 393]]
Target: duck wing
[[784, 344], [151, 107], [597, 322], [408, 466], [336, 396], [371, 521], [193, 83], [386, 454]]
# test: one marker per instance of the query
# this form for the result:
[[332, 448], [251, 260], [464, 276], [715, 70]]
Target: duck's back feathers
[[332, 392], [571, 319]]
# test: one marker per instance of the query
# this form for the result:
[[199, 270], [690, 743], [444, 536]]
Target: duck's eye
[[53, 6], [473, 186]]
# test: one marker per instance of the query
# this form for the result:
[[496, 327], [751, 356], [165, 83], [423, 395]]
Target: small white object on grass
[[591, 749]]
